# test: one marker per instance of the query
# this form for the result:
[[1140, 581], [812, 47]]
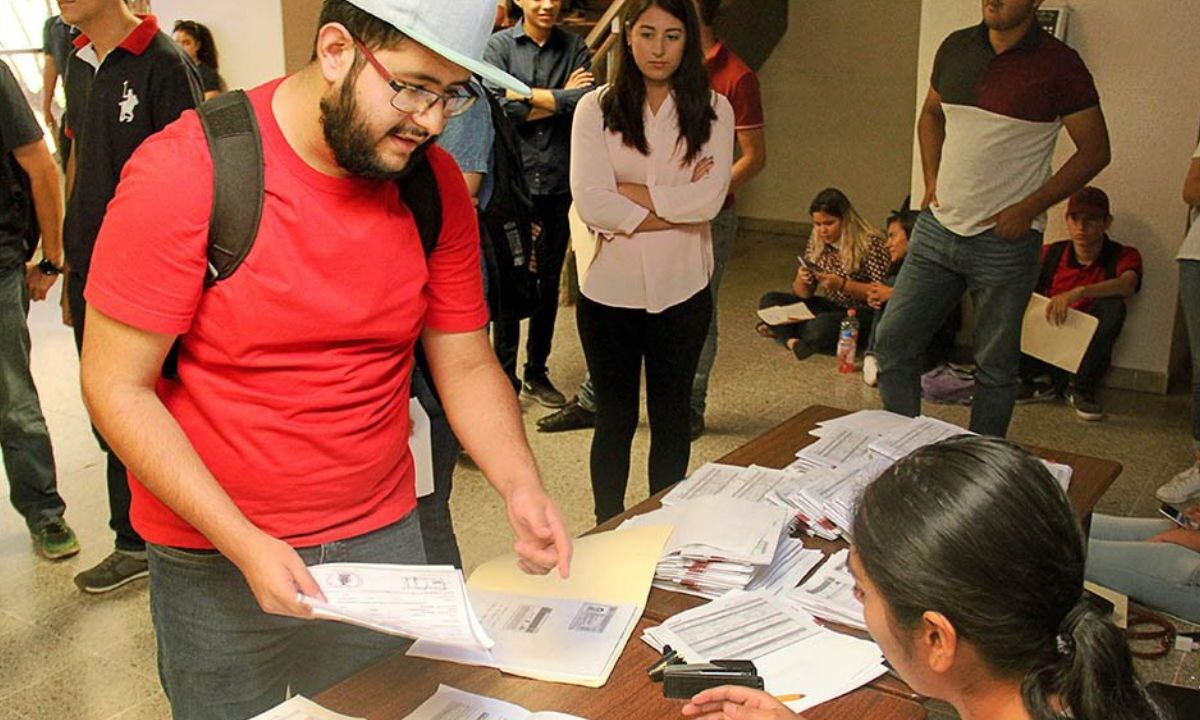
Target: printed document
[[453, 704], [785, 314], [301, 708], [1060, 345], [416, 601]]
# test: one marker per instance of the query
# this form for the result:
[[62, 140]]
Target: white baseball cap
[[458, 30]]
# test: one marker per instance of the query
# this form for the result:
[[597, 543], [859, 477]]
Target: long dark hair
[[206, 52], [976, 529], [857, 234], [624, 101]]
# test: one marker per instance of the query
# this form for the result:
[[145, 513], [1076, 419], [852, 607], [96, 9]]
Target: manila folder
[[1060, 345]]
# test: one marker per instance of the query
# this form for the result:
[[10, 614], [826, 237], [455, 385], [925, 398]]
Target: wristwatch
[[48, 267]]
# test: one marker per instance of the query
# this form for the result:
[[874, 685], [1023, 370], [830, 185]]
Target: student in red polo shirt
[[284, 440], [1093, 274]]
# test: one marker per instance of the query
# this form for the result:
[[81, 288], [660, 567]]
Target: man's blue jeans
[[1000, 275], [220, 657], [24, 439], [724, 232]]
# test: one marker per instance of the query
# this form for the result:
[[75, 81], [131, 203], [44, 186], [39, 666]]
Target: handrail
[[596, 37]]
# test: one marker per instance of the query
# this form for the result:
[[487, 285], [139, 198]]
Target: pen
[[790, 698]]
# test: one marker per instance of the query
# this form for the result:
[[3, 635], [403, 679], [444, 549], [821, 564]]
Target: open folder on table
[[785, 314], [1060, 345], [569, 631]]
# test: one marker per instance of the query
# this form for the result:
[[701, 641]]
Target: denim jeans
[[940, 267], [1189, 296], [437, 527], [220, 657], [119, 496], [24, 438], [1162, 575], [724, 232]]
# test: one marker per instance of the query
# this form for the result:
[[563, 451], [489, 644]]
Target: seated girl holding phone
[[845, 256], [969, 562]]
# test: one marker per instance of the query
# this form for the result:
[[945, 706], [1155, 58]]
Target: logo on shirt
[[129, 101]]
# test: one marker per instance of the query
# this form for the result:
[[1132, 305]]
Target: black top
[[210, 80], [18, 128], [546, 143], [142, 86]]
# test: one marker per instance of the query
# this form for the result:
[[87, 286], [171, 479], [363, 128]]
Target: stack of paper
[[829, 593], [921, 431], [453, 704], [718, 544], [793, 654], [754, 483], [825, 498], [299, 707], [569, 631]]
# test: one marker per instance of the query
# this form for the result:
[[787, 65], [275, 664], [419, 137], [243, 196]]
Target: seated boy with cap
[[1093, 274]]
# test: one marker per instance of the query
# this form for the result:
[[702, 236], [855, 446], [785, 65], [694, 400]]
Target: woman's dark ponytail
[[1088, 675]]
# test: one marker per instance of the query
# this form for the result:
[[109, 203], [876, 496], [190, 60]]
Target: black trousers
[[1110, 311], [119, 497], [615, 342], [437, 527], [550, 250], [820, 333]]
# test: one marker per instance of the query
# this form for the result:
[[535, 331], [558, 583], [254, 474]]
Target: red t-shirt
[[294, 372], [734, 79], [1070, 274]]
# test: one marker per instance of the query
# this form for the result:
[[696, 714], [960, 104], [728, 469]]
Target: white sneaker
[[870, 370], [1181, 488]]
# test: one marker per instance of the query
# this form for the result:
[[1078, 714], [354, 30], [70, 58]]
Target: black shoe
[[1085, 404], [572, 417], [1035, 391], [112, 572], [539, 389], [54, 539], [695, 424]]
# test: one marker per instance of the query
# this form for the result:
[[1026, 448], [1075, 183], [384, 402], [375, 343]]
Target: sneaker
[[572, 417], [113, 571], [1181, 488], [1085, 404], [55, 540], [695, 424], [539, 389], [870, 371], [1035, 391]]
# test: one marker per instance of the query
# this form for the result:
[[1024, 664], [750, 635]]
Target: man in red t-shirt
[[284, 441], [1089, 273]]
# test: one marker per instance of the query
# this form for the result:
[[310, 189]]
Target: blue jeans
[[940, 267], [220, 657], [1189, 295], [24, 438], [724, 232], [1162, 575]]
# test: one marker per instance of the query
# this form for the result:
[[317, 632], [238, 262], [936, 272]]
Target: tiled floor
[[65, 655]]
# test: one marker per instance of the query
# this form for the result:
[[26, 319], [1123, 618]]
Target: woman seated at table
[[969, 563], [847, 256], [1152, 560]]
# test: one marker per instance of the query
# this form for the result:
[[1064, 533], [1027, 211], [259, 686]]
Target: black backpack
[[505, 225], [235, 143], [20, 198]]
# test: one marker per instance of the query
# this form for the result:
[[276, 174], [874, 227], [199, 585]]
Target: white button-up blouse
[[659, 269]]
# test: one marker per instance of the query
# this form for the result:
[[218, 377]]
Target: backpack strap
[[419, 191], [1050, 266], [235, 143]]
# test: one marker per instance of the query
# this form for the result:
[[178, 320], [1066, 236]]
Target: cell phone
[[1176, 516], [804, 262]]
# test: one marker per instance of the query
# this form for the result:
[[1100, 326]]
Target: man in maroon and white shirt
[[1000, 93]]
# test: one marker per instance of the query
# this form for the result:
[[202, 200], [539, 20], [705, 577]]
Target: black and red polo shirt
[[1003, 116], [114, 104]]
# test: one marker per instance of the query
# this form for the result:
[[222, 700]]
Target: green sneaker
[[55, 540]]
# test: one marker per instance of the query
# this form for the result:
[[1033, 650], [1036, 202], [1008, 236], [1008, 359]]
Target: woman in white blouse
[[650, 166]]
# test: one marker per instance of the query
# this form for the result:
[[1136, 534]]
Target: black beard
[[350, 139]]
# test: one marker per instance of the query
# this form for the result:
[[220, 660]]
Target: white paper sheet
[[453, 704], [785, 314], [416, 601], [420, 444], [299, 707], [1060, 345]]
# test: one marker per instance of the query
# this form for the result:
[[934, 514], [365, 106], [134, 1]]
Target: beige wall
[[838, 92], [299, 29], [1145, 59], [248, 35]]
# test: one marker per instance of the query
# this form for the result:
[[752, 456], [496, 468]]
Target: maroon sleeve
[[1130, 259], [746, 100], [1074, 88]]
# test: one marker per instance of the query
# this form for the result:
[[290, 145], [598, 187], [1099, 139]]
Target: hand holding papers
[[452, 704], [1060, 345], [415, 601], [785, 314]]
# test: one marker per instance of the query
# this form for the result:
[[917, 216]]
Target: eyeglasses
[[416, 100]]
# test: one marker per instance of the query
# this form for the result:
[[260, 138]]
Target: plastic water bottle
[[847, 342]]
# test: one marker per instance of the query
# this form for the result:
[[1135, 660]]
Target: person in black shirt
[[124, 83], [555, 63], [197, 41], [56, 51], [29, 198]]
